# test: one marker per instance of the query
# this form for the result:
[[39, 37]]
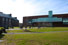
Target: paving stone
[[1, 40]]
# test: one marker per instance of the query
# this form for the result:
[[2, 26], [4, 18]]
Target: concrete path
[[1, 40], [36, 32]]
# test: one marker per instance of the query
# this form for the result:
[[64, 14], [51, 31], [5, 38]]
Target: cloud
[[15, 8]]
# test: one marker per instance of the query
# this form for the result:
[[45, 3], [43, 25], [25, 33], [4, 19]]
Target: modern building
[[6, 20], [50, 20]]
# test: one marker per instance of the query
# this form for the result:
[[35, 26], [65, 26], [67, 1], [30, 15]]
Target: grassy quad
[[46, 29], [57, 38], [14, 31]]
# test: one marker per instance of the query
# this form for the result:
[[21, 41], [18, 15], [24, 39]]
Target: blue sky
[[57, 6], [20, 8]]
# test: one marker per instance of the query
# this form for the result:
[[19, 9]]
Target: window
[[65, 21]]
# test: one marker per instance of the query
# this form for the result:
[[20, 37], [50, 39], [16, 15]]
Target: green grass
[[47, 29], [14, 31], [57, 38], [13, 27], [16, 27], [1, 28]]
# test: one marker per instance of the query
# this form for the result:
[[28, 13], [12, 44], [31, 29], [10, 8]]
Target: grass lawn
[[57, 38], [47, 29], [16, 27], [14, 31], [1, 28]]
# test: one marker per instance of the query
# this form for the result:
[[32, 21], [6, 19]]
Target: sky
[[21, 8]]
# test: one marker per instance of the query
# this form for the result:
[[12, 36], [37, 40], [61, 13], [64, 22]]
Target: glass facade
[[50, 14], [47, 20], [30, 21], [50, 18], [65, 21]]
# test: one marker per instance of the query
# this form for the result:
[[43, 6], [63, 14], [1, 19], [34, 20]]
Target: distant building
[[6, 20], [20, 25], [50, 20]]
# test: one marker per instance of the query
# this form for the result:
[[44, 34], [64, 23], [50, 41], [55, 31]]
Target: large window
[[54, 19], [65, 21], [30, 21]]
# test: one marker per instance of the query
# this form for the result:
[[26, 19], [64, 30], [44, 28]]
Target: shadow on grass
[[27, 31], [1, 35]]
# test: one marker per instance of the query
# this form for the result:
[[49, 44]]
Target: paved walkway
[[36, 32]]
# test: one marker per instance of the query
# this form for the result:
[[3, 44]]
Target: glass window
[[65, 19]]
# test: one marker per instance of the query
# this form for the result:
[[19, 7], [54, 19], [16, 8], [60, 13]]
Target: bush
[[2, 30]]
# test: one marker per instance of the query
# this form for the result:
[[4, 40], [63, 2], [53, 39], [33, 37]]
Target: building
[[20, 25], [6, 20], [50, 20]]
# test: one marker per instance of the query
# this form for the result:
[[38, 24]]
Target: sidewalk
[[36, 32]]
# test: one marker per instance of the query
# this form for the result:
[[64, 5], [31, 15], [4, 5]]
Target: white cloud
[[17, 8]]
